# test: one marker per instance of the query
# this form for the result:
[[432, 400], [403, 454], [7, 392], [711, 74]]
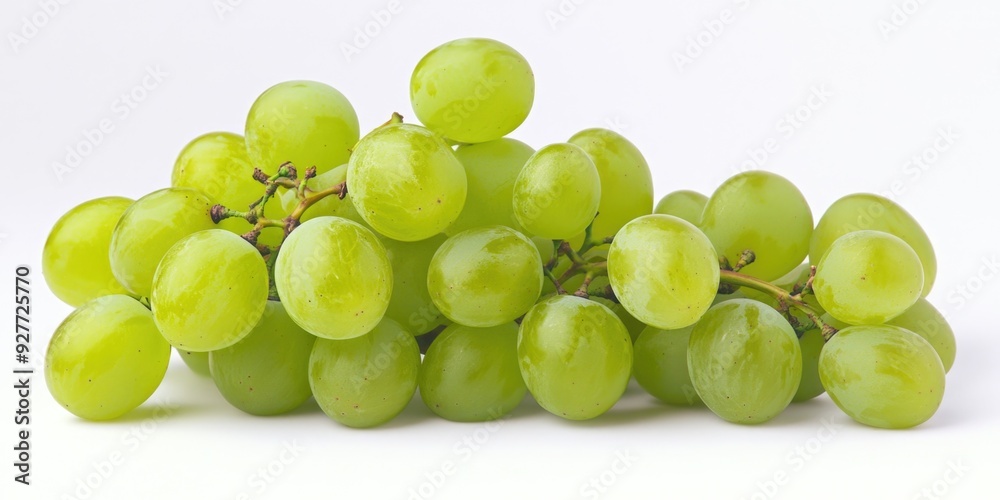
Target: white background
[[894, 87]]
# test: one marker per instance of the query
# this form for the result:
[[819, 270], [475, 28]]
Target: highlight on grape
[[304, 260]]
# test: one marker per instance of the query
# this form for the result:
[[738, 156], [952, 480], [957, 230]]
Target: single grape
[[626, 182], [661, 365], [406, 182], [149, 228], [491, 169], [329, 206], [203, 274], [266, 373], [557, 193], [687, 205], [310, 124], [863, 211], [763, 212], [75, 258], [868, 278], [106, 358], [472, 90], [924, 320], [217, 165], [575, 356], [365, 381], [471, 374], [334, 278], [196, 361], [664, 271], [883, 376], [485, 277], [633, 325], [411, 303], [745, 361], [811, 344]]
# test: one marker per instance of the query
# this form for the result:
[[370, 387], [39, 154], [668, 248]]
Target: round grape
[[810, 386], [411, 303], [491, 169], [924, 320], [557, 193], [661, 365], [687, 205]]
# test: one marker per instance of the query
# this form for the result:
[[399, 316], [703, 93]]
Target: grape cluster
[[303, 260]]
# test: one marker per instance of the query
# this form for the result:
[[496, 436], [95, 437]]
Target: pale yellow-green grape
[[868, 278], [310, 124], [472, 90], [924, 320], [217, 165], [883, 376], [329, 206], [810, 386], [75, 258], [557, 193], [411, 303], [763, 212], [664, 271], [406, 182], [575, 356], [266, 373], [209, 291], [626, 183], [661, 365], [862, 211], [633, 325], [471, 374], [106, 358], [745, 361], [196, 361], [149, 228], [334, 278], [485, 277], [491, 169], [688, 205], [365, 381]]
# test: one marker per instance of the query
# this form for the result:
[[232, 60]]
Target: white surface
[[606, 63]]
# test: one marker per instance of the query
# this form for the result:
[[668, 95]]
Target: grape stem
[[784, 298]]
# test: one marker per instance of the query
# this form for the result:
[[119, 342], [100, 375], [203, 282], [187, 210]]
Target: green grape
[[334, 278], [661, 365], [217, 165], [75, 258], [203, 274], [329, 206], [485, 277], [491, 169], [883, 376], [557, 193], [811, 344], [365, 381], [149, 228], [924, 320], [196, 361], [310, 124], [411, 303], [575, 356], [471, 374], [664, 271], [546, 249], [106, 358], [406, 182], [634, 326], [472, 90], [763, 212], [862, 211], [266, 373], [687, 205], [868, 278], [626, 183], [745, 361]]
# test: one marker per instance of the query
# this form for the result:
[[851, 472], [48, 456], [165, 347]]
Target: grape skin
[[106, 358], [688, 205], [557, 193], [410, 303], [491, 169], [925, 320], [661, 365], [196, 361], [810, 386], [75, 259]]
